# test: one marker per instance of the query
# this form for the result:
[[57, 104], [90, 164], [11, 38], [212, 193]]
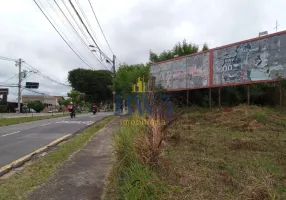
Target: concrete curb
[[24, 159]]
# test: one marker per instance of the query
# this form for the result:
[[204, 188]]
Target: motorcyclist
[[72, 108], [94, 108]]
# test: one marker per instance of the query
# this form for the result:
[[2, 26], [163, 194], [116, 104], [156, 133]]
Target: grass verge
[[18, 120], [129, 177], [19, 185]]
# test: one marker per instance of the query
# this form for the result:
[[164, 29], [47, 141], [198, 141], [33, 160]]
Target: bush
[[3, 108], [134, 179]]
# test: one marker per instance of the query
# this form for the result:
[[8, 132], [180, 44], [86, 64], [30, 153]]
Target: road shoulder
[[83, 175]]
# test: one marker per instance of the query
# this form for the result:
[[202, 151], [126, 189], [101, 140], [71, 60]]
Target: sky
[[132, 28]]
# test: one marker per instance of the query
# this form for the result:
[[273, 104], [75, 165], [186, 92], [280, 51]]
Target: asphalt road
[[19, 140]]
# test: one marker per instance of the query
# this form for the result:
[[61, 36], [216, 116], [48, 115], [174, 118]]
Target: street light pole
[[108, 60]]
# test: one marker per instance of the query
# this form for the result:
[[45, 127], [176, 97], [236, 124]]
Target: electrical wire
[[9, 78], [78, 34], [79, 27], [44, 76], [100, 26], [7, 59], [61, 35], [88, 23], [65, 26], [83, 24]]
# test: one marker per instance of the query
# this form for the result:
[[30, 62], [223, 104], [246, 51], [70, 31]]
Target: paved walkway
[[82, 177]]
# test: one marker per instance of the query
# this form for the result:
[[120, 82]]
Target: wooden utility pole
[[210, 98], [187, 98], [219, 97], [280, 95], [248, 94]]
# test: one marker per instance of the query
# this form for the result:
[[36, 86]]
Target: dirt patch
[[242, 144], [259, 193]]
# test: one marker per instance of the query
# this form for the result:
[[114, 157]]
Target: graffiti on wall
[[252, 61], [187, 72]]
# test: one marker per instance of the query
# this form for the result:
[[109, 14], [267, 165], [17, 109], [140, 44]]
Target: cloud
[[131, 27]]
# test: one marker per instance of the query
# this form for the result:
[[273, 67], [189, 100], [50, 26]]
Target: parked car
[[53, 111]]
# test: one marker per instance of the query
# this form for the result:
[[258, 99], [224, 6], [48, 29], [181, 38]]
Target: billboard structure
[[187, 72], [261, 59]]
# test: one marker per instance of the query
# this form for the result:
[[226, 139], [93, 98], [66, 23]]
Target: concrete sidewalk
[[82, 177]]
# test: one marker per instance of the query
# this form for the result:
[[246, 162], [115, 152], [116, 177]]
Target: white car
[[53, 111]]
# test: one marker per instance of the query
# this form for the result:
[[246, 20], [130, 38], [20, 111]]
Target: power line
[[78, 34], [100, 26], [45, 76], [65, 26], [84, 24], [7, 59], [80, 28], [88, 23], [9, 78], [61, 35]]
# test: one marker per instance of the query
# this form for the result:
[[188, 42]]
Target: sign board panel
[[186, 72], [260, 60], [4, 91], [32, 85]]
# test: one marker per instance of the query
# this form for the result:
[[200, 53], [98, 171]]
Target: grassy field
[[237, 154], [20, 184]]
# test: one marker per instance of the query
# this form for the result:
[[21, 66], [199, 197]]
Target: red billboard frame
[[210, 51]]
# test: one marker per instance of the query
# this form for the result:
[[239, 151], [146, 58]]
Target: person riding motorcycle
[[72, 109], [94, 108]]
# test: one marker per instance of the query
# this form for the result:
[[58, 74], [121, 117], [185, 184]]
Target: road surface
[[19, 140]]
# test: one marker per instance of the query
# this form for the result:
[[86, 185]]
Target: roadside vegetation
[[233, 153], [38, 171]]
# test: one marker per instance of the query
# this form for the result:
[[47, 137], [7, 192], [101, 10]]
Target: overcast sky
[[132, 28]]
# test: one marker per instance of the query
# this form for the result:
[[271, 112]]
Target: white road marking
[[75, 122], [10, 134], [45, 124]]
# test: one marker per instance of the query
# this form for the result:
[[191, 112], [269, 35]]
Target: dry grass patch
[[234, 154]]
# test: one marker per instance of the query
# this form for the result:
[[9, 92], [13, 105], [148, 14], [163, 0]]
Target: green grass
[[19, 185], [11, 121], [129, 179]]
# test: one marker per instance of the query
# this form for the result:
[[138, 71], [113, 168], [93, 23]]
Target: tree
[[205, 47], [38, 106], [180, 49], [76, 97], [127, 75], [64, 102], [95, 84]]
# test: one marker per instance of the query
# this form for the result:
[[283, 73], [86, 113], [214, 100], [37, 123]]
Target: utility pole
[[113, 92], [277, 25], [19, 64]]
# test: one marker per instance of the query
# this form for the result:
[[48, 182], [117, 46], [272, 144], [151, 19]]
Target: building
[[48, 101]]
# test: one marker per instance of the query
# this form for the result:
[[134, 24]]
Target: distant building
[[48, 101]]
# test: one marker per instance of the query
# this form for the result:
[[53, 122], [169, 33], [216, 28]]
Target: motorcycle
[[72, 114], [94, 111]]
